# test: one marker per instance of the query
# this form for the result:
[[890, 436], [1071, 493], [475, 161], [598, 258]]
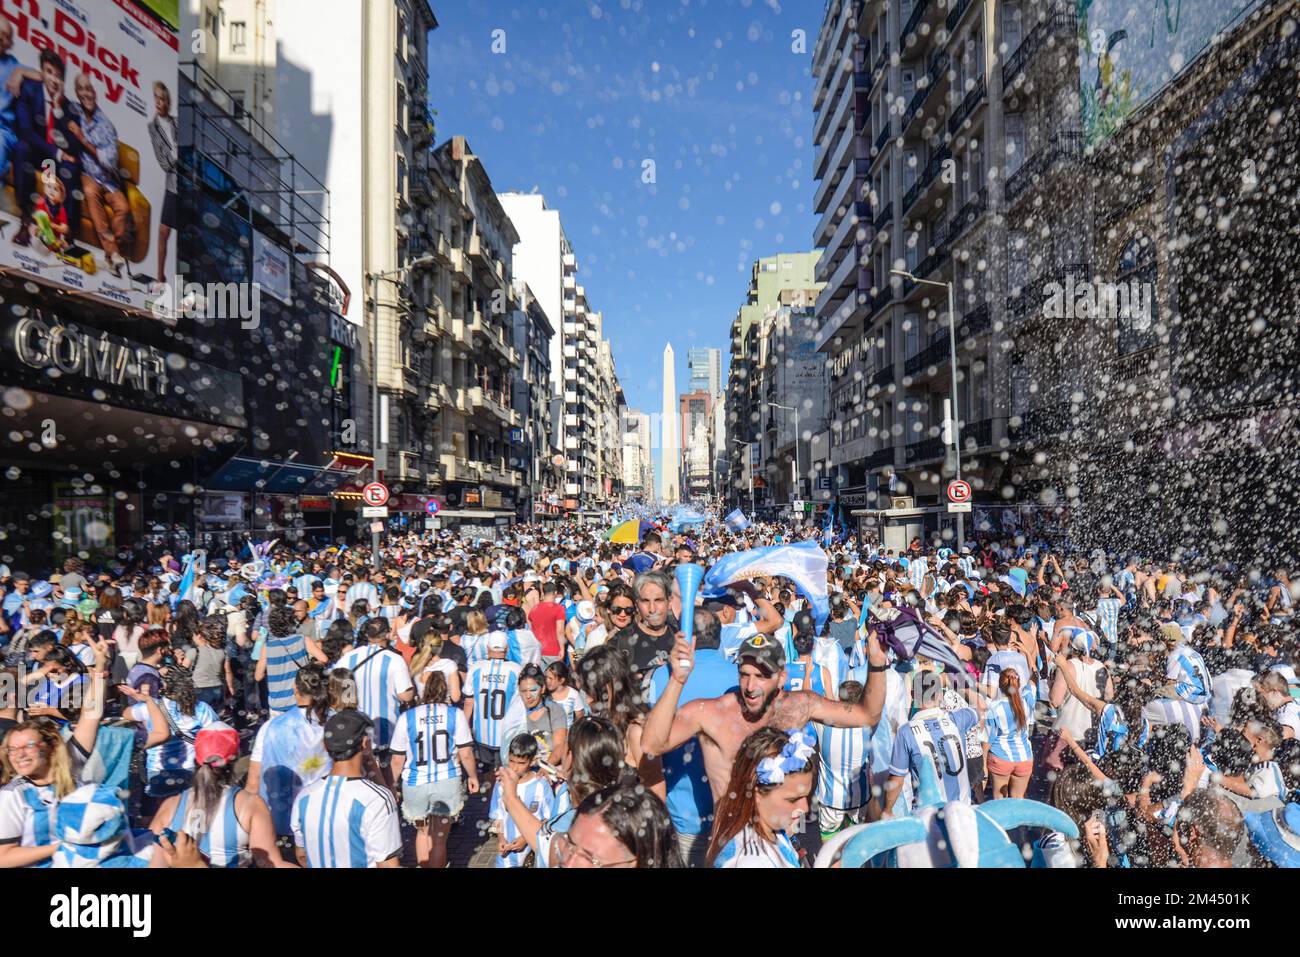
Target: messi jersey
[[492, 685], [429, 735]]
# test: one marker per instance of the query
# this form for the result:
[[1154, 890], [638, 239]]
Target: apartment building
[[793, 384], [638, 463], [982, 144], [531, 447], [941, 131], [546, 261], [787, 279]]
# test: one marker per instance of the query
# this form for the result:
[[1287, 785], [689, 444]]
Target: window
[[401, 179], [237, 103], [974, 172], [238, 42], [911, 168], [1015, 130], [908, 75], [1017, 261], [212, 22], [1135, 300], [401, 107], [1012, 31]]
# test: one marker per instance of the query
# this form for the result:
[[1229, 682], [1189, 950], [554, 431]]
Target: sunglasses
[[620, 609]]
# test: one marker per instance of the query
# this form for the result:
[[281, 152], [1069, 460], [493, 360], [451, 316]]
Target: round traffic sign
[[432, 506], [959, 491], [376, 494]]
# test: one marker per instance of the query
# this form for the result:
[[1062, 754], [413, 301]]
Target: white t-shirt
[[346, 822], [443, 665]]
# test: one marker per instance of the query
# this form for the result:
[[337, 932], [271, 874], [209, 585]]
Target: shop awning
[[486, 513], [291, 479], [241, 475]]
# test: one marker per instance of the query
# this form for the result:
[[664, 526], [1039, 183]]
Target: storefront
[[107, 438]]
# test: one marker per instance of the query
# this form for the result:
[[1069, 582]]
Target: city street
[[449, 434]]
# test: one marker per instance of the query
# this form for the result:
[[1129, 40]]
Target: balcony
[[408, 467], [461, 270], [967, 106], [924, 450], [975, 322], [495, 404], [883, 376], [966, 216], [1018, 303], [1046, 421], [1059, 25], [456, 469], [883, 218], [976, 435], [936, 353], [882, 58], [917, 103], [490, 336], [955, 15], [881, 299], [927, 177], [1063, 146], [881, 139], [918, 13]]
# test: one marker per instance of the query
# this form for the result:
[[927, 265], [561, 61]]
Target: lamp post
[[795, 464], [952, 358], [374, 278]]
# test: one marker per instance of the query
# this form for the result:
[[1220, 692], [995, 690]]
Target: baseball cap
[[497, 641], [586, 611], [764, 651], [344, 733], [216, 746], [722, 601]]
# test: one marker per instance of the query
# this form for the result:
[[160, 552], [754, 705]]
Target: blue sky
[[710, 90]]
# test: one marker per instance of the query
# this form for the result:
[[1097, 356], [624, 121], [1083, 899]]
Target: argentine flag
[[803, 563], [736, 520]]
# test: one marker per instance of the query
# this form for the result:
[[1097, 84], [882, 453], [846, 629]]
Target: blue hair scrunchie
[[799, 748]]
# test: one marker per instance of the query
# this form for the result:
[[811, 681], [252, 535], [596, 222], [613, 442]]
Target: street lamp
[[952, 357], [373, 278], [795, 485]]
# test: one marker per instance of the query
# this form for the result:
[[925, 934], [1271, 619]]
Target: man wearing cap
[[345, 819], [723, 723], [734, 632]]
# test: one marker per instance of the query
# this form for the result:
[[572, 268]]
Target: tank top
[[1075, 716], [224, 842]]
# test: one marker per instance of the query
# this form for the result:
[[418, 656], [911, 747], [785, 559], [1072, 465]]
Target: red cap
[[216, 746]]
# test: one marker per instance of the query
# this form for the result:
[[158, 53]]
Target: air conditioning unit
[[902, 501]]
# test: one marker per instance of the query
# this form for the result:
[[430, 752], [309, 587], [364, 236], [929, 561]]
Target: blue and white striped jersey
[[1007, 740], [749, 849], [285, 657], [222, 839], [27, 815], [843, 775], [1187, 668], [1175, 711], [1108, 618], [346, 822], [360, 591], [492, 685], [1288, 716], [538, 798], [475, 647], [917, 569], [1265, 780], [573, 704], [805, 676], [1000, 661], [381, 676], [429, 735], [177, 752], [1113, 731]]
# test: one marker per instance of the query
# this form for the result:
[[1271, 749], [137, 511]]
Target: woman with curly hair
[[620, 826], [169, 765], [771, 782]]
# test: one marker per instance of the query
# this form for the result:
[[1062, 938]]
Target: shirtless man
[[723, 723]]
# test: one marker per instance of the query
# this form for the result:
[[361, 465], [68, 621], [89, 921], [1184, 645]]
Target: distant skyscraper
[[705, 366], [669, 488]]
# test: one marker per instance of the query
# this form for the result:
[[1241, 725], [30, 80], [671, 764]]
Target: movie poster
[[88, 147]]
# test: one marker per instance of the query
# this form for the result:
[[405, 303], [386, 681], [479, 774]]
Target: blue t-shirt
[[1276, 834], [690, 802]]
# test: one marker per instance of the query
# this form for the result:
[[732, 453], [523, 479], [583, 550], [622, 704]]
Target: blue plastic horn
[[689, 576]]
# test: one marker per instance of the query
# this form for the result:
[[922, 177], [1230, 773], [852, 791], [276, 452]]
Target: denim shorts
[[440, 799]]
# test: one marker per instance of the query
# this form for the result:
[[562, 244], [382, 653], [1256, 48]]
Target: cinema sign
[[91, 355]]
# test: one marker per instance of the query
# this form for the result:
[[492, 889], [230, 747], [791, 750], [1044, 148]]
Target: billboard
[[88, 147], [1131, 50]]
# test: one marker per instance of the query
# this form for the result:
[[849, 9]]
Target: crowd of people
[[294, 708]]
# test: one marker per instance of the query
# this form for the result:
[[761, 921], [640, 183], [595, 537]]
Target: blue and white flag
[[736, 520], [803, 563], [187, 591]]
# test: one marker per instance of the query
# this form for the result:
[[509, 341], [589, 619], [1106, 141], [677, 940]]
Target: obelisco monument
[[670, 470]]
